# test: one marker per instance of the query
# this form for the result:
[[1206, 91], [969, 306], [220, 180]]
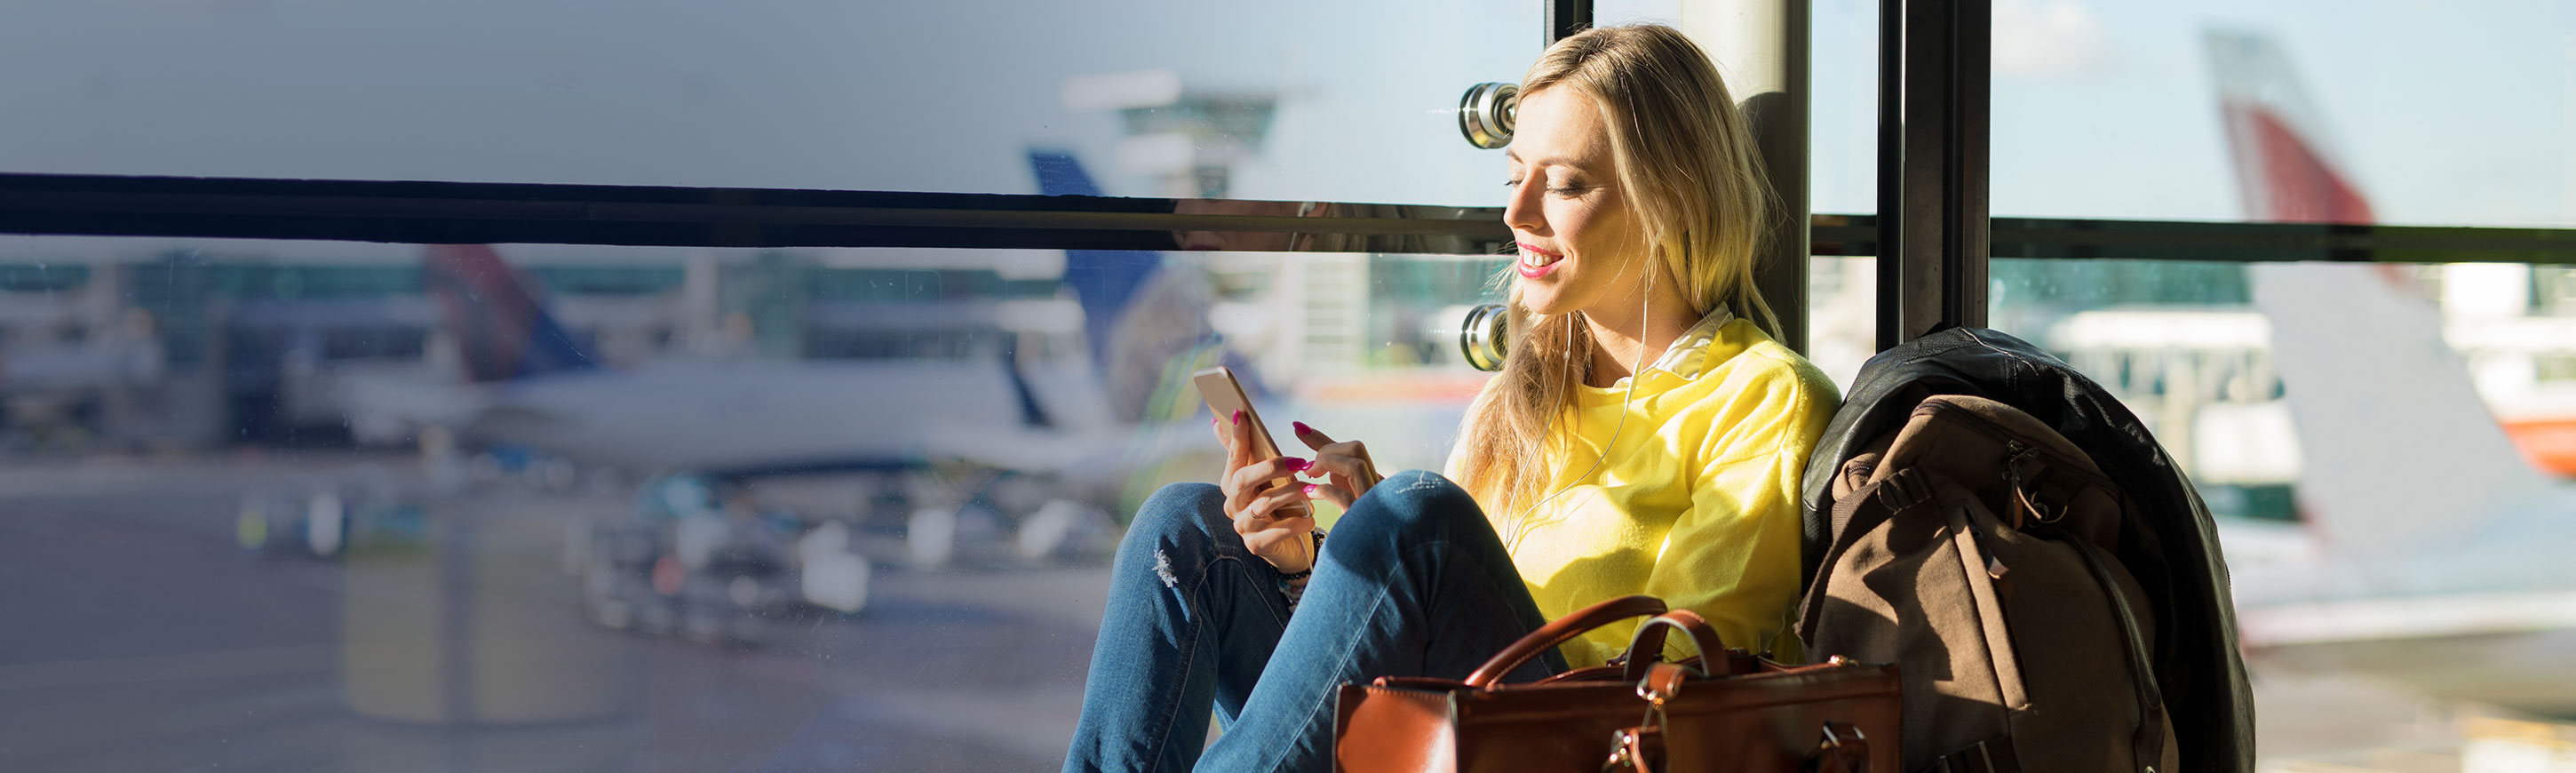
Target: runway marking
[[263, 661]]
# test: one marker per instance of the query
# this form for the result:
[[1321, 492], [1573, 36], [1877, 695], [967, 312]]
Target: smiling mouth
[[1535, 262]]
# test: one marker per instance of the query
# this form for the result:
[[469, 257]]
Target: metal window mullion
[[1891, 173], [1566, 17], [1933, 232], [1965, 163]]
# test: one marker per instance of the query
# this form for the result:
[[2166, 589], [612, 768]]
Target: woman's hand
[[1257, 491], [1350, 471]]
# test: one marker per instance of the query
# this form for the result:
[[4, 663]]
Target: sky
[[2448, 113]]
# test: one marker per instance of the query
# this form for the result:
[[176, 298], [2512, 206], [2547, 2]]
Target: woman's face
[[1578, 241]]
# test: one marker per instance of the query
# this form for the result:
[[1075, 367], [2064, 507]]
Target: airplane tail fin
[[1103, 281], [2287, 167], [1142, 314], [502, 328], [2396, 445]]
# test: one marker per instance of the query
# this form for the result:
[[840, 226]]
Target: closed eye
[[1561, 190]]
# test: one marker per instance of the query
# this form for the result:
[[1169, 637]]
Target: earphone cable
[[1636, 373]]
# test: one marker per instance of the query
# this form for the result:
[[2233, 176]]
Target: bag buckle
[[1654, 708], [2039, 510], [1662, 682], [1623, 751], [1630, 747], [1843, 749], [1634, 750], [1834, 741]]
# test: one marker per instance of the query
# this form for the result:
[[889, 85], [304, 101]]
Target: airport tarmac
[[139, 636]]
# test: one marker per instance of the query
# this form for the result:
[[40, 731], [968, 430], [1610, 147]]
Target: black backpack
[[2165, 537]]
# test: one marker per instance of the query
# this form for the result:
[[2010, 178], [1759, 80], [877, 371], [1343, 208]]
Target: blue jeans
[[1412, 582]]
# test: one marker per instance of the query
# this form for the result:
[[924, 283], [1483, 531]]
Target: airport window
[[2451, 118], [724, 524], [2316, 404], [2411, 410], [610, 279], [40, 278], [2326, 410], [812, 459]]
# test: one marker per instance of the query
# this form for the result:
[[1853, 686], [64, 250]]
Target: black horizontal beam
[[2278, 242], [502, 213], [2084, 239], [506, 213]]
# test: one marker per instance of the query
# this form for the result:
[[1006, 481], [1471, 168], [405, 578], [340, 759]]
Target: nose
[[1522, 211]]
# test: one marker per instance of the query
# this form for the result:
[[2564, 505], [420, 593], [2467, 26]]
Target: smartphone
[[1224, 395]]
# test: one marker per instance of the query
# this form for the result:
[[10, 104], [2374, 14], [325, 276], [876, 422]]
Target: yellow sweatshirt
[[1697, 502]]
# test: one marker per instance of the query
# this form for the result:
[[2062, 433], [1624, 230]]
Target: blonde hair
[[1687, 168]]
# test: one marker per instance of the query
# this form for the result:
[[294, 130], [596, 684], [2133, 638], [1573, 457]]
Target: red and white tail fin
[[2287, 166], [499, 321], [2396, 446]]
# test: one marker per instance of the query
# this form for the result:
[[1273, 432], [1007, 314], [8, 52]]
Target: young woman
[[1644, 436]]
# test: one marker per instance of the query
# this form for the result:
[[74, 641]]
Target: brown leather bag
[[1725, 710]]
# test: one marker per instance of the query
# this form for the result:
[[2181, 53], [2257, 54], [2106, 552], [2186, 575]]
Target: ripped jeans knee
[[1178, 527]]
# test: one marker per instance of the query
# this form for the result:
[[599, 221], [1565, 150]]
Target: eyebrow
[[1515, 157]]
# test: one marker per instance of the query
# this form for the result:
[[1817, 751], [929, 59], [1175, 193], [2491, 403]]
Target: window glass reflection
[[1226, 99], [541, 507]]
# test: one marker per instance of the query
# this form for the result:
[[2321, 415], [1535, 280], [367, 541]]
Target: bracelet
[[1313, 558]]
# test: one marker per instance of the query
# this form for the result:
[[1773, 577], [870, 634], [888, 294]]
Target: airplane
[[53, 386], [1085, 428], [2431, 550], [528, 381]]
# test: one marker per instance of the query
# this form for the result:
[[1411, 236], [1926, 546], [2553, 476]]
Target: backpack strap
[[1860, 512], [1899, 490], [2149, 744]]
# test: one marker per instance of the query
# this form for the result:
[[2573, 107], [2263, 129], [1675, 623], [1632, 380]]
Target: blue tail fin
[[1109, 282], [1103, 281], [501, 327]]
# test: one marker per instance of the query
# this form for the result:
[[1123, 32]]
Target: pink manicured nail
[[1295, 464], [1238, 417], [1310, 490], [1302, 429]]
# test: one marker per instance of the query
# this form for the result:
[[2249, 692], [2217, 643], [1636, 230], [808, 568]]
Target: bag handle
[[1560, 631], [1648, 646]]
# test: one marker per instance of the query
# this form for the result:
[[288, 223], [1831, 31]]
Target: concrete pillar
[[1761, 49], [701, 305]]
